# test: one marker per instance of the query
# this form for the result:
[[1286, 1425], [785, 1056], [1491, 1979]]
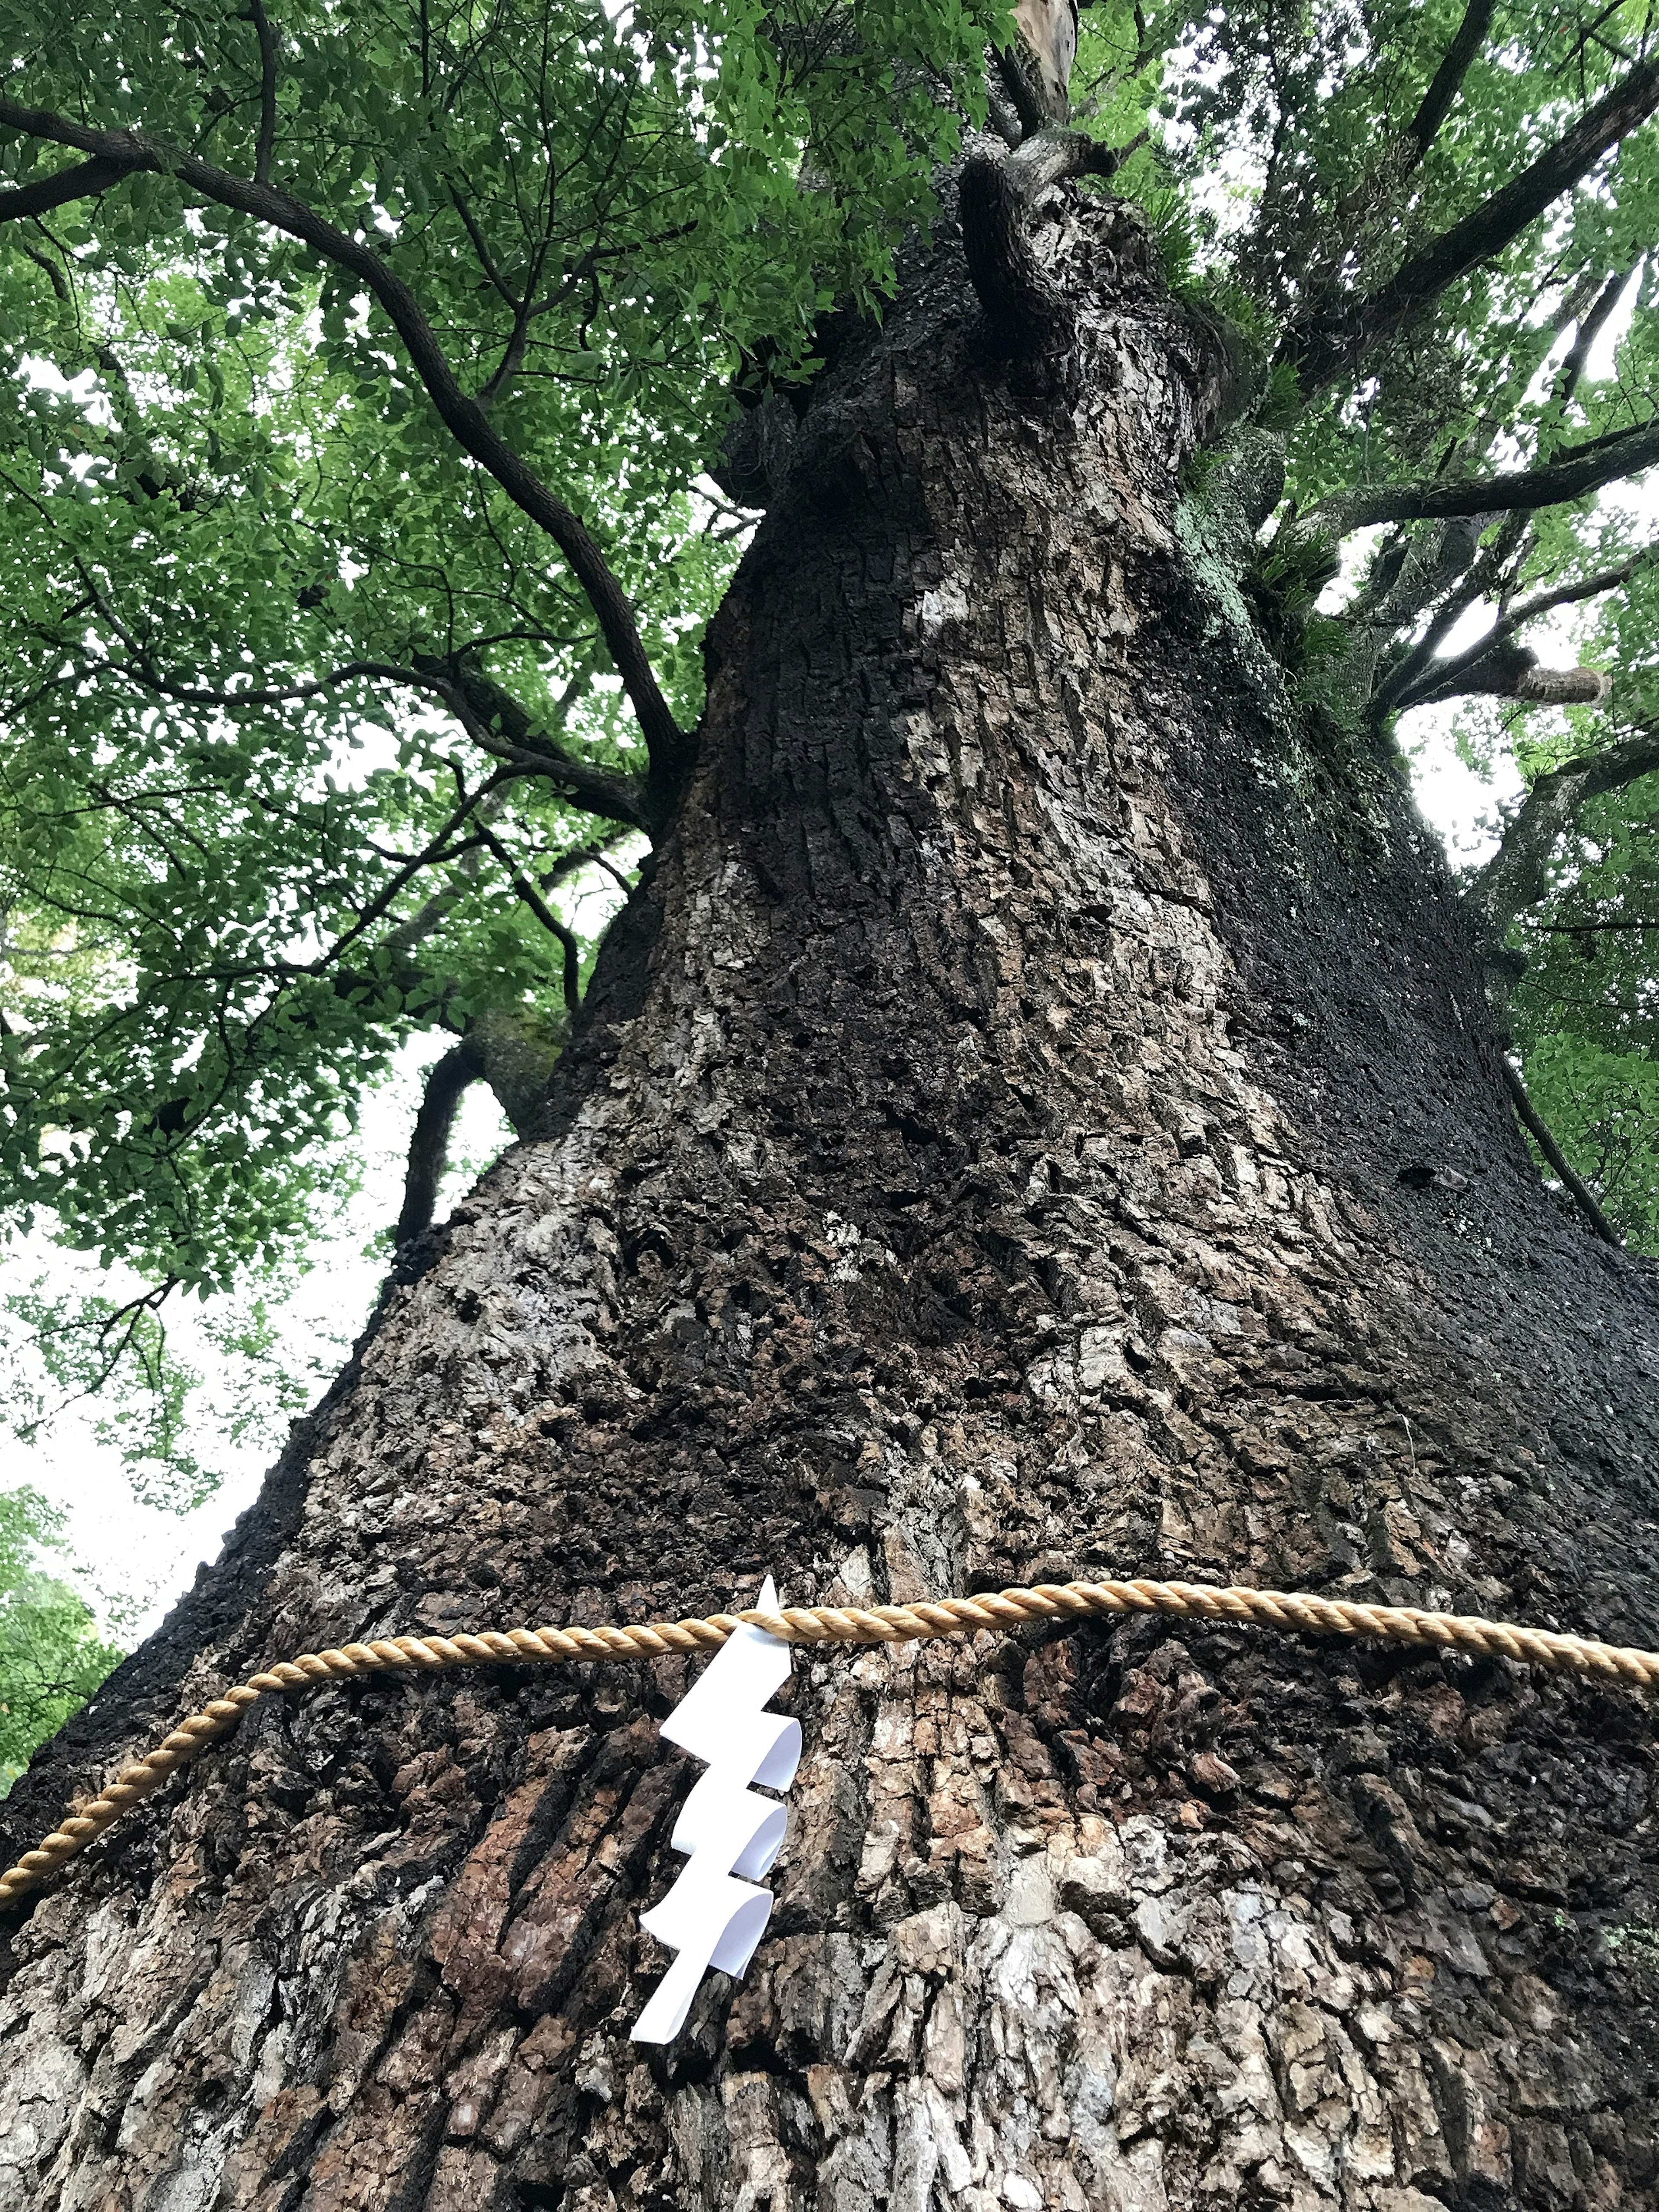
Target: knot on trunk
[[1031, 322]]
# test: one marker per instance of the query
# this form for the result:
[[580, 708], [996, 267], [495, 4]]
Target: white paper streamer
[[710, 1916]]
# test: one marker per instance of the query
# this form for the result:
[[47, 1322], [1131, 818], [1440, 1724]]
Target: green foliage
[[221, 916], [52, 1657], [1586, 1011]]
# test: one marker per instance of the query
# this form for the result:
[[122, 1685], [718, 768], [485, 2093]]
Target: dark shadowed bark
[[1036, 1116]]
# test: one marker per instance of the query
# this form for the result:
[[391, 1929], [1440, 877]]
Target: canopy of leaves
[[51, 1658], [355, 394], [226, 895]]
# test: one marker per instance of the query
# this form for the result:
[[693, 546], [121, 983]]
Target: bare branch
[[1590, 328], [132, 151], [1505, 669]]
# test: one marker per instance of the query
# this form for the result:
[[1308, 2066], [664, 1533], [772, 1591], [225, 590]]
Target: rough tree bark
[[1036, 1117]]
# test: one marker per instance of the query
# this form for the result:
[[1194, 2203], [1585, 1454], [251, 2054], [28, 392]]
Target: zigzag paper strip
[[711, 1918]]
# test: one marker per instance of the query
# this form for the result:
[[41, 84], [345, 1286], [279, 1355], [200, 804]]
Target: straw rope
[[824, 1624]]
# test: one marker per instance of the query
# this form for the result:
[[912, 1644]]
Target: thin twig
[[545, 914]]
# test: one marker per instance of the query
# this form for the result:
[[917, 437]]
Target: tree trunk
[[1037, 1119]]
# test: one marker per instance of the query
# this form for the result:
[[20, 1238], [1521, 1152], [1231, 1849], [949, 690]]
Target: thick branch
[[1508, 671], [266, 146], [1517, 875], [1022, 92], [1029, 317], [1484, 668], [1324, 353], [1454, 564], [446, 1084], [84, 181], [1582, 1196], [132, 151], [599, 790], [1574, 472], [1051, 156], [1425, 126]]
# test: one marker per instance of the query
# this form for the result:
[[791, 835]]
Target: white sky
[[130, 1559]]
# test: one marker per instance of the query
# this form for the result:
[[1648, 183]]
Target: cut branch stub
[[1509, 671]]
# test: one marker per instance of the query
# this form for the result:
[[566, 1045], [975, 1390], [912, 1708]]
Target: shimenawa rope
[[825, 1624]]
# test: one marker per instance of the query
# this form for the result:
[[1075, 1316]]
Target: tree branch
[[1448, 81], [1330, 349], [1020, 92], [268, 59], [448, 1081], [84, 181], [1574, 472], [1590, 327], [1479, 670], [1594, 928], [1517, 875], [481, 247], [1503, 670], [599, 790], [1030, 318], [132, 151], [549, 922], [1531, 1119]]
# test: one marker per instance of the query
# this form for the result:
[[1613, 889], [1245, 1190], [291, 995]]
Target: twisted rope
[[824, 1624]]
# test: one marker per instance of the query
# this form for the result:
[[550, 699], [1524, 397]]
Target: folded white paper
[[710, 1916]]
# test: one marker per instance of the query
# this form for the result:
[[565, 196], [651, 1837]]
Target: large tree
[[1044, 1109]]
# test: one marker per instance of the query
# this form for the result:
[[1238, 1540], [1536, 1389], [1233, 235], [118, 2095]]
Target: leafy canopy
[[52, 1657], [359, 369]]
